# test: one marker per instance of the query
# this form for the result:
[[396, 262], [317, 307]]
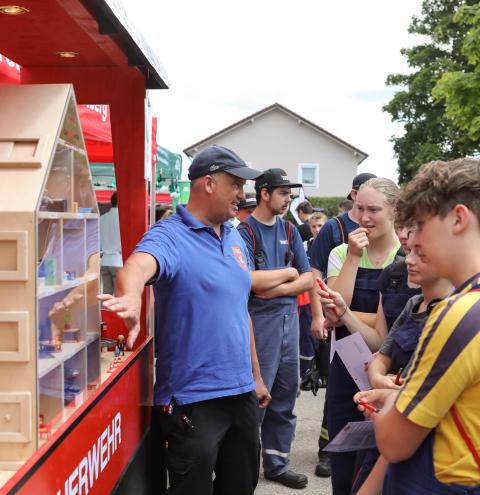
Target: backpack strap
[[464, 435], [288, 231], [342, 229], [400, 256], [289, 255], [258, 256]]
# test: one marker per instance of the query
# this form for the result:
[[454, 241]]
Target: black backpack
[[397, 273]]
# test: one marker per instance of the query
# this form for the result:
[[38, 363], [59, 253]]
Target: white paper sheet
[[333, 339], [354, 353], [358, 435]]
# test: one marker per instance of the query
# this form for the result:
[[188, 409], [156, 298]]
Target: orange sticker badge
[[237, 252]]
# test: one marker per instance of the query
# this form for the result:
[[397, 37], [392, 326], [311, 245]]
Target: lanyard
[[464, 435]]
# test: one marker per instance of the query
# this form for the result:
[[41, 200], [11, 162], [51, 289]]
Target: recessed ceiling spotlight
[[13, 10], [67, 54]]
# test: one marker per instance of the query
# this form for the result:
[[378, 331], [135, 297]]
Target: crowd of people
[[243, 316]]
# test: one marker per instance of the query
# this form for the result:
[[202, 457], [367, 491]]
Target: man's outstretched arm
[[129, 285]]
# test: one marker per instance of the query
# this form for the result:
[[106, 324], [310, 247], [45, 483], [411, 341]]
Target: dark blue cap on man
[[219, 159], [274, 177], [360, 179], [247, 203]]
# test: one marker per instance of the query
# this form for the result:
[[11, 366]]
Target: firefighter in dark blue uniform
[[281, 272]]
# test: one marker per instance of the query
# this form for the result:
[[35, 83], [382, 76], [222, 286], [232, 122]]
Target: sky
[[326, 61]]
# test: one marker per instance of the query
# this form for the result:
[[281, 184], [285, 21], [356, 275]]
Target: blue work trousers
[[276, 339]]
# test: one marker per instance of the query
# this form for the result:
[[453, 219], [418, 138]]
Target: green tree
[[429, 134], [460, 90]]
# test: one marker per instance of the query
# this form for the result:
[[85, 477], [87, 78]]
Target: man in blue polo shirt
[[205, 405]]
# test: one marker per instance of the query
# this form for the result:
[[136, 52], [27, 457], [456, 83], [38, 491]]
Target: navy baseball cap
[[219, 159], [358, 180], [247, 203], [274, 177]]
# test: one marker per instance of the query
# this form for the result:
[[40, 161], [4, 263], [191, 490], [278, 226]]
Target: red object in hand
[[322, 286], [369, 407], [397, 378]]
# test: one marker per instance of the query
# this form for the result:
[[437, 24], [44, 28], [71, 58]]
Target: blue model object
[[72, 389], [71, 373], [41, 270], [44, 333]]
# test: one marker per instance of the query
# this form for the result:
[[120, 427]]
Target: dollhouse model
[[49, 267]]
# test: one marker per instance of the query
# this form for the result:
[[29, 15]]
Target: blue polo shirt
[[201, 295]]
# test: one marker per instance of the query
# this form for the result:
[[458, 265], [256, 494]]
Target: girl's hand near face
[[357, 241]]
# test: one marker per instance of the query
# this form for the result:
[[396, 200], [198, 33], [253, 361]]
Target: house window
[[308, 174]]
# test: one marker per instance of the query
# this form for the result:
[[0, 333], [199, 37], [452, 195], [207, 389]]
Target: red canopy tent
[[97, 133]]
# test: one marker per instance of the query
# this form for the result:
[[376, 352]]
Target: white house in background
[[276, 137]]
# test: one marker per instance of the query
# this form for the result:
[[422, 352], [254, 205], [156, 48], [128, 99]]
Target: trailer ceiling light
[[67, 54], [13, 10]]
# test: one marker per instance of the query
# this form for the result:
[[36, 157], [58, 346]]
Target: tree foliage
[[329, 204], [429, 133], [460, 90]]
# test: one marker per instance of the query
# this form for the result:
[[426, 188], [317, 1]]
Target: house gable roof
[[191, 150]]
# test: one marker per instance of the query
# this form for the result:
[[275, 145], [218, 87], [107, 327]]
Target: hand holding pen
[[368, 407], [331, 301], [371, 402]]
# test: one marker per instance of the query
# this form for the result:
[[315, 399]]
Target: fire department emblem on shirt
[[237, 252]]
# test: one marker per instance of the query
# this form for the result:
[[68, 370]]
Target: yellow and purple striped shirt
[[446, 372]]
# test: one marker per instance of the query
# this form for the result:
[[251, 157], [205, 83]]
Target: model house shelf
[[49, 267], [45, 291]]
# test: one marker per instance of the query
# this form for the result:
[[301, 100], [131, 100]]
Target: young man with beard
[[281, 272]]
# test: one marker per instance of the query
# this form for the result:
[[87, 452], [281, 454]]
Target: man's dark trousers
[[209, 447]]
